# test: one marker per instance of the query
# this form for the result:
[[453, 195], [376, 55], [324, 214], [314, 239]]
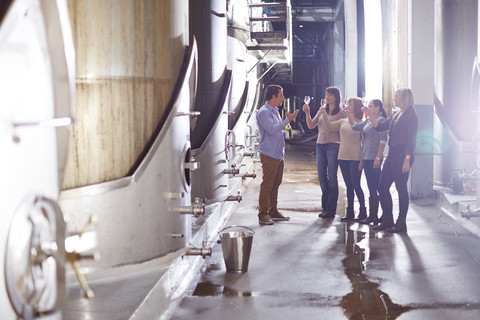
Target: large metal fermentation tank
[[243, 93], [37, 93], [128, 57], [129, 160], [208, 24], [456, 127]]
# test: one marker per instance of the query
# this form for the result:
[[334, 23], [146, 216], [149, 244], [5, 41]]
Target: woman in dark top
[[402, 130]]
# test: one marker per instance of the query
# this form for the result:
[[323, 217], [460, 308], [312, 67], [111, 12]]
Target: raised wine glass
[[306, 99]]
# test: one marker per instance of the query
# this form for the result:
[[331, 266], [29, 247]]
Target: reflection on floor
[[313, 268]]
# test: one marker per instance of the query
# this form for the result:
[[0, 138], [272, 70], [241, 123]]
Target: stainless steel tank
[[130, 158], [37, 93]]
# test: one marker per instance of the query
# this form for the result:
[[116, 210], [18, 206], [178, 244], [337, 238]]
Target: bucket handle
[[235, 226]]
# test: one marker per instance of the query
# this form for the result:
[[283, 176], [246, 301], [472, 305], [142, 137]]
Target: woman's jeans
[[392, 172], [351, 176], [373, 177], [327, 167]]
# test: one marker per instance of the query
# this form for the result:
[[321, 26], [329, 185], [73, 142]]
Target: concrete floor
[[311, 268]]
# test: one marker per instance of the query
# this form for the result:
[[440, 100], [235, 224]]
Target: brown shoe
[[277, 216], [264, 218]]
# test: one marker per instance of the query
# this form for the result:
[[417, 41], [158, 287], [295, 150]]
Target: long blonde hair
[[405, 97]]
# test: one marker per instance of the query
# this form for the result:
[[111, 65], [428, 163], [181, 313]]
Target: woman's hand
[[323, 110], [306, 108], [406, 165]]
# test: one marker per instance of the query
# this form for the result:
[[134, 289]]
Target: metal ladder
[[269, 25]]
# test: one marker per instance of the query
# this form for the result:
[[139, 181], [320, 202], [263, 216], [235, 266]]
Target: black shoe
[[328, 215], [362, 215], [398, 228], [346, 218], [322, 212], [369, 220], [383, 226], [350, 214]]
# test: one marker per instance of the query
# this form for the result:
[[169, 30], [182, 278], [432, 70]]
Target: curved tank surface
[[37, 89], [129, 92]]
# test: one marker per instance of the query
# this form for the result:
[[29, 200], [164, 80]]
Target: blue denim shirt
[[271, 127]]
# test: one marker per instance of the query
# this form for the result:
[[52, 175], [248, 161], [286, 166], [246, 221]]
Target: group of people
[[347, 140]]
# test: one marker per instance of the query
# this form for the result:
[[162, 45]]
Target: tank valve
[[192, 114], [204, 252], [470, 213], [238, 197], [192, 164], [197, 208], [75, 247], [249, 175], [232, 171]]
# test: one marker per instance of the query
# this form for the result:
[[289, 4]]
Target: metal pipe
[[238, 197], [470, 214], [199, 252], [197, 209], [232, 171]]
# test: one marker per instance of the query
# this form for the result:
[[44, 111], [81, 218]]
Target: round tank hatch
[[35, 258], [188, 164]]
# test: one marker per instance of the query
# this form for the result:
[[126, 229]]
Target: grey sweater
[[371, 138]]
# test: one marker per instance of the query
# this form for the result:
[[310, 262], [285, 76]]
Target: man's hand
[[291, 116]]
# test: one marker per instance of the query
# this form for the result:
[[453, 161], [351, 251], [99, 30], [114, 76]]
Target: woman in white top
[[349, 157]]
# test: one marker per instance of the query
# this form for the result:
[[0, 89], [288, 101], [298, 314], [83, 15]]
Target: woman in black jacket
[[402, 130]]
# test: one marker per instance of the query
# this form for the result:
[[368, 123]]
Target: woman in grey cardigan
[[372, 154]]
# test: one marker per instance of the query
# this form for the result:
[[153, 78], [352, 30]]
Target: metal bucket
[[236, 247]]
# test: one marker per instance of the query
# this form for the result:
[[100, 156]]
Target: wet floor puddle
[[365, 301], [209, 289]]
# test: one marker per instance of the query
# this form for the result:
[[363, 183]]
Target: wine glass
[[323, 102], [364, 101], [306, 99]]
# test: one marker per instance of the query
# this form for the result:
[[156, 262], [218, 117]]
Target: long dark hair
[[338, 99], [378, 103]]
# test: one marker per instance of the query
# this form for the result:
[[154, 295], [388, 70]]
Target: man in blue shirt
[[272, 151]]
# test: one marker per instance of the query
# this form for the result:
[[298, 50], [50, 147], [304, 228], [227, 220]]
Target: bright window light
[[373, 49]]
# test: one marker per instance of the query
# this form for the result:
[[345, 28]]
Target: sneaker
[[264, 218], [277, 216]]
